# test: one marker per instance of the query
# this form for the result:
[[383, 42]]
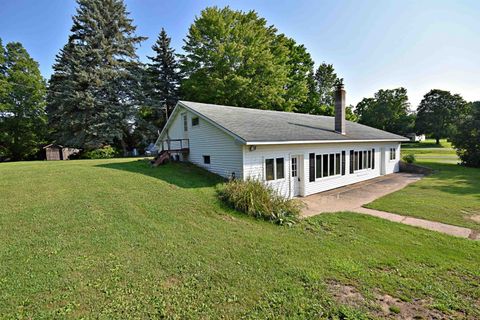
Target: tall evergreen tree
[[91, 93], [160, 83], [164, 72], [22, 103]]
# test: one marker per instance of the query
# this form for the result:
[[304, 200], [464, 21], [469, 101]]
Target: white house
[[298, 154]]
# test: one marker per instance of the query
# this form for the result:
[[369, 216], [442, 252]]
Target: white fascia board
[[250, 143], [237, 138]]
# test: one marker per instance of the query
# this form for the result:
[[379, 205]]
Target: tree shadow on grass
[[183, 175], [458, 180]]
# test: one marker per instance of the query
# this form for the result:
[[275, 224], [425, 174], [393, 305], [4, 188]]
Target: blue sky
[[420, 44]]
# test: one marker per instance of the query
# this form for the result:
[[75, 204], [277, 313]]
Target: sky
[[381, 44]]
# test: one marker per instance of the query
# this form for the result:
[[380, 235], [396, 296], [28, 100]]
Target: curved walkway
[[353, 197]]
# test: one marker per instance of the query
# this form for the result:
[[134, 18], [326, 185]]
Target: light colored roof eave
[[249, 143]]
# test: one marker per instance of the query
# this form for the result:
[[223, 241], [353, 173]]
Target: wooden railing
[[176, 145]]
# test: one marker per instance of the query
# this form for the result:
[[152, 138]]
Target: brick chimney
[[340, 108]]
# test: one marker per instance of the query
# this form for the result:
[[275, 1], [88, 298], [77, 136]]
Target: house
[[297, 154], [415, 137], [58, 152]]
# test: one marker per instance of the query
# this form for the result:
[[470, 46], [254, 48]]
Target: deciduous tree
[[466, 136], [22, 103], [388, 110], [437, 113], [233, 57]]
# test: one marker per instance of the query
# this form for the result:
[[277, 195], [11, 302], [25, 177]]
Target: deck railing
[[176, 145]]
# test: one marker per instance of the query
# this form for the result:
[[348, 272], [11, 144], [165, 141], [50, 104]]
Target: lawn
[[451, 195], [119, 239]]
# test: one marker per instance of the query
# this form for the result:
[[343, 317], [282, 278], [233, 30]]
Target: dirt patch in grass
[[475, 218], [170, 282], [384, 305]]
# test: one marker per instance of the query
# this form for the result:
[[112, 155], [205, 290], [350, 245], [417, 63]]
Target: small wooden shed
[[58, 152]]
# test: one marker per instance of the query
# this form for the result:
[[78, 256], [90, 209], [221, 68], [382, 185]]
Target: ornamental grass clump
[[259, 200]]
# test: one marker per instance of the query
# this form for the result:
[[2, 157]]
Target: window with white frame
[[362, 160], [393, 153], [327, 165], [274, 169]]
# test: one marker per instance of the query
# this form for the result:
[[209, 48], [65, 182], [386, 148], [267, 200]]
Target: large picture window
[[362, 160], [274, 169], [330, 164]]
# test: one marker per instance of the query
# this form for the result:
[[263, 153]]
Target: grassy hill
[[118, 239]]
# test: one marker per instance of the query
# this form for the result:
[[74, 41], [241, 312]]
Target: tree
[[388, 110], [322, 92], [161, 86], [437, 112], [466, 138], [91, 95], [22, 103], [232, 57]]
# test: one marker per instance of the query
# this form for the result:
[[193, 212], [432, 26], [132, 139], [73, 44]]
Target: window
[[337, 163], [269, 169], [195, 121], [343, 162], [280, 168], [329, 164], [325, 165], [362, 160], [311, 167], [274, 169], [318, 165], [352, 161], [206, 159], [294, 167], [393, 153], [373, 158], [355, 160], [185, 122]]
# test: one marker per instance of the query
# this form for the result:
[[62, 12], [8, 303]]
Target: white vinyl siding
[[254, 165], [226, 155]]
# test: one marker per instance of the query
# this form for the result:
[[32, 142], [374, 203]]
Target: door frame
[[300, 178], [383, 161]]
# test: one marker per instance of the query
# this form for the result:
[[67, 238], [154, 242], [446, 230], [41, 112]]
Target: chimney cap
[[339, 84]]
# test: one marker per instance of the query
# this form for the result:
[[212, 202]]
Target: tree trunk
[[438, 140], [124, 147]]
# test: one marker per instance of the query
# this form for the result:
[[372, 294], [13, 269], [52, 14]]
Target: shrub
[[259, 200], [105, 152], [409, 158]]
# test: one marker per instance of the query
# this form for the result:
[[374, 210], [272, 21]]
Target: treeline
[[439, 115], [100, 94]]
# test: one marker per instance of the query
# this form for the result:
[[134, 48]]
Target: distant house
[[415, 137], [297, 154], [58, 152]]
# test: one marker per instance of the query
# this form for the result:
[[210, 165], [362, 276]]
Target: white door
[[296, 174], [383, 161]]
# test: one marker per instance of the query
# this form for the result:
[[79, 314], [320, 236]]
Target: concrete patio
[[353, 197]]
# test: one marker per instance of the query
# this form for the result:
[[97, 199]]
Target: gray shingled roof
[[254, 125]]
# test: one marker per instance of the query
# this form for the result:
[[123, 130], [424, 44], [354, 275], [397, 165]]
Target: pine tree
[[161, 85], [92, 91], [22, 103], [164, 72]]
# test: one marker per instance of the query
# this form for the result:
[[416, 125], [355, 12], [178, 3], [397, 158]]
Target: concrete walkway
[[353, 197]]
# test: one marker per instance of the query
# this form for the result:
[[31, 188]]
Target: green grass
[[451, 195], [118, 239], [428, 143]]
